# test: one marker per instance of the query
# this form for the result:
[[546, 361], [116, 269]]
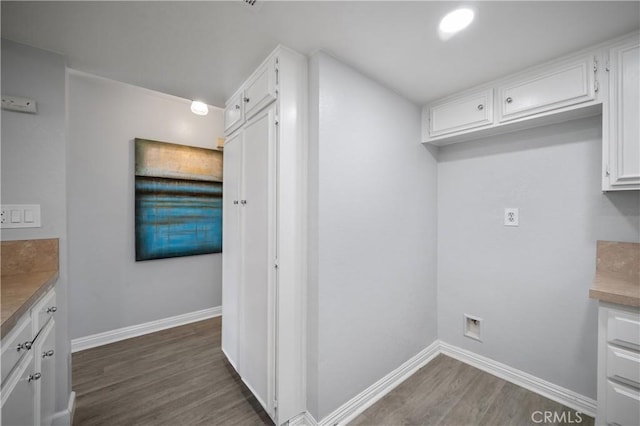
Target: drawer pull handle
[[246, 100], [243, 202], [47, 353], [34, 377], [52, 310], [480, 107], [235, 202], [25, 346], [237, 106], [509, 100]]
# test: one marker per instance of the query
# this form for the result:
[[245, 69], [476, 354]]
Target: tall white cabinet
[[264, 243]]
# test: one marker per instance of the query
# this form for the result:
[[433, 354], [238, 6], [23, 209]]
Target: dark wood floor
[[173, 377], [180, 377]]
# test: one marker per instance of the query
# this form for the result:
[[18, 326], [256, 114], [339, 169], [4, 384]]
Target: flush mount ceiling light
[[456, 21], [199, 108]]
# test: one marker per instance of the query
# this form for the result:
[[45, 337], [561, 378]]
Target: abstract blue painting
[[178, 200]]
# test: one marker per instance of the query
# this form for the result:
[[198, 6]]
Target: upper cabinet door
[[234, 114], [261, 89], [557, 87], [467, 112], [623, 112]]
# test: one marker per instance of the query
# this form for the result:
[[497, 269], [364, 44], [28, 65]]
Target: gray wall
[[372, 296], [34, 169], [109, 290], [530, 283]]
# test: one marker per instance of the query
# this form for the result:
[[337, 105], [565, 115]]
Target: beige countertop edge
[[613, 289], [32, 286]]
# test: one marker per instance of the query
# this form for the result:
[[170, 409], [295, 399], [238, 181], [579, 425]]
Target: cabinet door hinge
[[275, 263], [607, 67], [275, 403], [277, 72], [595, 64], [596, 86], [607, 172]]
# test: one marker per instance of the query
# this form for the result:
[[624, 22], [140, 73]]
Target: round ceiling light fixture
[[199, 108], [456, 21]]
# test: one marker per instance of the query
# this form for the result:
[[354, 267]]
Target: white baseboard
[[549, 390], [303, 419], [88, 342], [65, 417], [356, 405]]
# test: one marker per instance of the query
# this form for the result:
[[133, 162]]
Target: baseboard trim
[[356, 405], [95, 340], [303, 419], [535, 384], [65, 417]]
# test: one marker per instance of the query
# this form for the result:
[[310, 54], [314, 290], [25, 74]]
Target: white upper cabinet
[[466, 112], [234, 113], [261, 89], [621, 118], [556, 87]]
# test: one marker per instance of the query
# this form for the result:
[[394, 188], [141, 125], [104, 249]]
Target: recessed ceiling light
[[456, 21], [199, 108]]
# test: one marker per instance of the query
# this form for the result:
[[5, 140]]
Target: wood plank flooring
[[449, 392], [181, 377], [173, 377]]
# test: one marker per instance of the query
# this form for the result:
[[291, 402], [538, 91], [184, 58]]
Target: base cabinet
[[618, 365], [264, 210], [28, 391]]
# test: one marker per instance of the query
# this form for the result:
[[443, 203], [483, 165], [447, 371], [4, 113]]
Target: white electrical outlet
[[20, 216], [511, 217]]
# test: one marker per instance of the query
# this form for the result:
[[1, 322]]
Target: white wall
[[372, 296], [33, 169], [530, 283], [109, 290]]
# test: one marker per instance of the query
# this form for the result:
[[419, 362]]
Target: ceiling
[[205, 49]]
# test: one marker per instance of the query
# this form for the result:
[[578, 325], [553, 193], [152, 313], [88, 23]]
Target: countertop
[[617, 278], [29, 269]]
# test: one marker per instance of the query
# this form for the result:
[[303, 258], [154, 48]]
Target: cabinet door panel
[[19, 396], [12, 349], [257, 223], [45, 364], [623, 405], [460, 114], [231, 237], [233, 114], [261, 90], [624, 133], [558, 87]]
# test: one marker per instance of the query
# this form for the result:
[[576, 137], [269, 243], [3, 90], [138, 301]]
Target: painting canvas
[[178, 200]]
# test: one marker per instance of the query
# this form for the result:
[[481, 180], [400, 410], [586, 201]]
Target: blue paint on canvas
[[177, 217]]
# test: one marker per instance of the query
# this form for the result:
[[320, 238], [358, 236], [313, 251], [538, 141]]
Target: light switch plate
[[20, 216]]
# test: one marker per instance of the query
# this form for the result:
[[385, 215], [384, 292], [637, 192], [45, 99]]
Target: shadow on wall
[[528, 139]]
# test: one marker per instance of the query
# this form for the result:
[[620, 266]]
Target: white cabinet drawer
[[561, 86], [623, 405], [234, 113], [260, 90], [623, 364], [464, 113], [623, 328], [14, 346], [43, 310], [19, 395]]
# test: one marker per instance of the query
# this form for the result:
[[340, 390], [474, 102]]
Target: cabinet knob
[[34, 377], [52, 309], [47, 353], [24, 346], [235, 202], [237, 106], [509, 100], [246, 100], [243, 202], [480, 107]]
